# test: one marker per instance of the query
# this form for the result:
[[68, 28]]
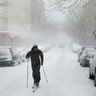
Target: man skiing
[[36, 56]]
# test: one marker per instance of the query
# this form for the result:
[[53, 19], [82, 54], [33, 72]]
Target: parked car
[[23, 51], [92, 70], [85, 55], [9, 56], [75, 47], [23, 57]]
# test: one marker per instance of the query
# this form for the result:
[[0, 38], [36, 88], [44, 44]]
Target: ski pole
[[27, 73], [44, 74]]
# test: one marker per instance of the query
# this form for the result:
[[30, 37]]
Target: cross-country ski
[[35, 88]]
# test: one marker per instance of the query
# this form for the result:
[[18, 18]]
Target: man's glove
[[41, 63]]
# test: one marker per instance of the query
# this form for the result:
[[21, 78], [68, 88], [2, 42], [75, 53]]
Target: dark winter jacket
[[36, 56]]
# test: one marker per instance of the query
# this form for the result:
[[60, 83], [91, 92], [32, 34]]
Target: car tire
[[95, 84], [19, 62], [95, 80], [78, 60], [13, 63], [81, 64], [91, 76]]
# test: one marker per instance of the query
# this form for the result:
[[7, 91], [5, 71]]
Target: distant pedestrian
[[36, 56]]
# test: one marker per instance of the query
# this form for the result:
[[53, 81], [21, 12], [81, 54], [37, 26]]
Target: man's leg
[[36, 74], [38, 77]]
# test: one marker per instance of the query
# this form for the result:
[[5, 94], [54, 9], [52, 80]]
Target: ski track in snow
[[65, 77]]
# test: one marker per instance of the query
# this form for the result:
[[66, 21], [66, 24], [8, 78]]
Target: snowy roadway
[[66, 77]]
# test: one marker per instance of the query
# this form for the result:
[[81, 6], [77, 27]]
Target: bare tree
[[81, 16]]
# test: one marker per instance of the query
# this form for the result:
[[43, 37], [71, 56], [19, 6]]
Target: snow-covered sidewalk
[[66, 77]]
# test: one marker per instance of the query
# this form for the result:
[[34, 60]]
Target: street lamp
[[11, 39]]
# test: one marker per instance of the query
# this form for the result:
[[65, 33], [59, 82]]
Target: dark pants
[[36, 72]]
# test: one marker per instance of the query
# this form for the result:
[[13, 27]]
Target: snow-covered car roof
[[12, 49], [4, 51], [90, 50]]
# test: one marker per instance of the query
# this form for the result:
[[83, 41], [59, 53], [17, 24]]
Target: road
[[65, 77]]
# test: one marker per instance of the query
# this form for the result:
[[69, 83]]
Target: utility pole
[[4, 6]]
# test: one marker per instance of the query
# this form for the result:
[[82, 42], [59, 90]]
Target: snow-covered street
[[65, 77], [57, 27]]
